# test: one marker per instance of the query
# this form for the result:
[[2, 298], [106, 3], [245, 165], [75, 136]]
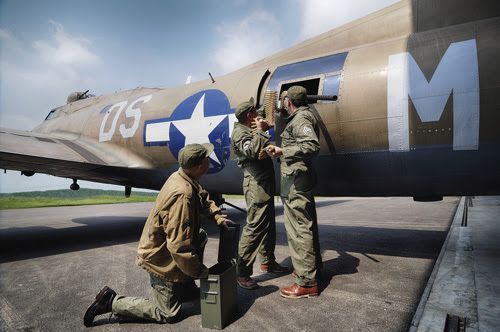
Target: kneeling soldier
[[171, 246]]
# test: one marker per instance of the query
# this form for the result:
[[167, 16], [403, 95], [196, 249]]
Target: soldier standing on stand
[[259, 233], [300, 143]]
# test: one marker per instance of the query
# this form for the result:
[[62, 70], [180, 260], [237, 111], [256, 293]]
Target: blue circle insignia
[[202, 118]]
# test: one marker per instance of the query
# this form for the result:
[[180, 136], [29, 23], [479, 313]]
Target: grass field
[[67, 197]]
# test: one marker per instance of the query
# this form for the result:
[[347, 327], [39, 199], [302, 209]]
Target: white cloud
[[246, 41], [319, 16], [238, 3], [8, 41], [6, 36], [37, 76], [65, 49]]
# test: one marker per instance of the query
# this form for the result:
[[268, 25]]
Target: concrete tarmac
[[378, 254]]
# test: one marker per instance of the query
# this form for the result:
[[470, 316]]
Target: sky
[[53, 47]]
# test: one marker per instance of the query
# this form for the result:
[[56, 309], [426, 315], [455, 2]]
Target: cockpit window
[[52, 114]]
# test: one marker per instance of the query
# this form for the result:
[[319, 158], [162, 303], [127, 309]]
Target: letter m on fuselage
[[456, 73]]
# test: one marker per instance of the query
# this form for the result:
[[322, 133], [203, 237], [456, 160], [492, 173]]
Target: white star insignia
[[197, 128]]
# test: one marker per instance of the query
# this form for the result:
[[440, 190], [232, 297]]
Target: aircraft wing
[[38, 153]]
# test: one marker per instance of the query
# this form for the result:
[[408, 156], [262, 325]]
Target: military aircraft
[[416, 112]]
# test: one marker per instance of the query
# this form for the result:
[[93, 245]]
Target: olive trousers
[[301, 226], [166, 300], [259, 234]]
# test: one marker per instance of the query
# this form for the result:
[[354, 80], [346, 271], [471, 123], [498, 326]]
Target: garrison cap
[[297, 92], [244, 107], [193, 154]]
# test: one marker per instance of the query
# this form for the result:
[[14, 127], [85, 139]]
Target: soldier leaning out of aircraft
[[299, 144], [259, 233], [171, 246]]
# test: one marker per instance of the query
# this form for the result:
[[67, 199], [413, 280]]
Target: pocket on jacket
[[254, 192], [304, 181]]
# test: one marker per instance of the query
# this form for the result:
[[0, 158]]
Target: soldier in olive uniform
[[300, 143], [171, 246], [259, 233]]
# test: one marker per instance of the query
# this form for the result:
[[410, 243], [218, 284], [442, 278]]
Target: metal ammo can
[[219, 292]]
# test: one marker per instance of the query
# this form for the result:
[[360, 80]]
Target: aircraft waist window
[[331, 85], [308, 68], [312, 85]]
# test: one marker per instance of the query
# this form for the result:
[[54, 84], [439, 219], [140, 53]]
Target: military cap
[[244, 107], [193, 154], [297, 92]]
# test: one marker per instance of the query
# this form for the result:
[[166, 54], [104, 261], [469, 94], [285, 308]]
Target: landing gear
[[128, 191], [74, 185]]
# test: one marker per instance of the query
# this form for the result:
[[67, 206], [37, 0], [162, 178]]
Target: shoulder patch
[[246, 145], [307, 130]]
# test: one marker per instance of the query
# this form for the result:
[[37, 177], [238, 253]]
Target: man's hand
[[274, 151], [226, 223], [263, 154], [261, 124]]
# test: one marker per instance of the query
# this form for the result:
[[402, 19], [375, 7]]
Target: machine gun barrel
[[312, 98]]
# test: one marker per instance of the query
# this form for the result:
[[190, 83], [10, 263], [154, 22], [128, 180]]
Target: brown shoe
[[296, 291], [273, 267], [247, 283]]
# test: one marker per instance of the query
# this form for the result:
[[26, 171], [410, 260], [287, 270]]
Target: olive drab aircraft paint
[[415, 113]]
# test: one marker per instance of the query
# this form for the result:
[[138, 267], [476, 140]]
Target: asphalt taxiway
[[378, 254]]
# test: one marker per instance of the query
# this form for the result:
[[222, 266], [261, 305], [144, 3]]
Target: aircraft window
[[313, 67], [311, 85], [331, 85], [54, 113], [51, 115]]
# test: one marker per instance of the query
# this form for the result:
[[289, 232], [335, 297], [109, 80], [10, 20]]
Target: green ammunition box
[[219, 292]]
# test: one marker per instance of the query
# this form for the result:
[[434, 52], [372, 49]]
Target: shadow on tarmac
[[343, 264], [32, 242], [279, 209], [39, 241], [246, 298], [94, 232]]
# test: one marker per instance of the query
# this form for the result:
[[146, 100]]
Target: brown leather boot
[[273, 267], [101, 305], [296, 291], [247, 283]]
